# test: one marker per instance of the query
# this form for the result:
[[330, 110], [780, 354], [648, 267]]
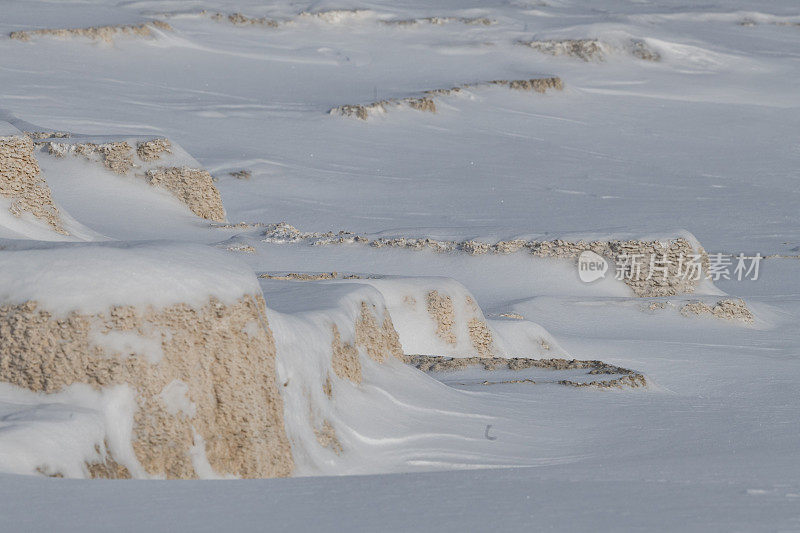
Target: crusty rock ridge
[[377, 340], [22, 183], [627, 378], [677, 265], [194, 187], [427, 103], [96, 33], [220, 359], [591, 49], [725, 309]]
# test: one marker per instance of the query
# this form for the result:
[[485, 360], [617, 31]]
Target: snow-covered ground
[[702, 142]]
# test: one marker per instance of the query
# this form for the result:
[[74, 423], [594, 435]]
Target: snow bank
[[156, 161], [90, 278], [351, 403]]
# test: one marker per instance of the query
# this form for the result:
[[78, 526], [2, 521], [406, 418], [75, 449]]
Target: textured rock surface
[[151, 150], [193, 187], [222, 357], [441, 309], [115, 156], [22, 183], [727, 309]]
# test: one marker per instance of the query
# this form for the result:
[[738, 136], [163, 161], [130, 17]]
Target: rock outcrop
[[206, 371], [95, 33], [21, 182]]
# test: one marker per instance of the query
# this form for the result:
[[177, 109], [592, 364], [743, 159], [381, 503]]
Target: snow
[[59, 433], [701, 144], [90, 278]]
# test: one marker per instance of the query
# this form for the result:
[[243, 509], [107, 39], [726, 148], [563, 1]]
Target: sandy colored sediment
[[480, 336], [344, 359], [301, 276], [151, 150], [108, 467], [440, 308], [95, 33], [22, 183], [378, 340], [479, 333], [282, 233], [667, 282], [194, 187], [727, 309], [539, 85], [39, 135], [115, 156], [318, 276], [327, 438], [590, 49], [238, 225], [227, 367], [240, 19], [246, 248], [435, 364]]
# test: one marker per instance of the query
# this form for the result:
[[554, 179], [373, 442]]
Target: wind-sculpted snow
[[513, 288], [155, 161]]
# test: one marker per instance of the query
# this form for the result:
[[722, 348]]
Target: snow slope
[[701, 142]]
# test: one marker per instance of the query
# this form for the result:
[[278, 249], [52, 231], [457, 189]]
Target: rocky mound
[[198, 362]]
